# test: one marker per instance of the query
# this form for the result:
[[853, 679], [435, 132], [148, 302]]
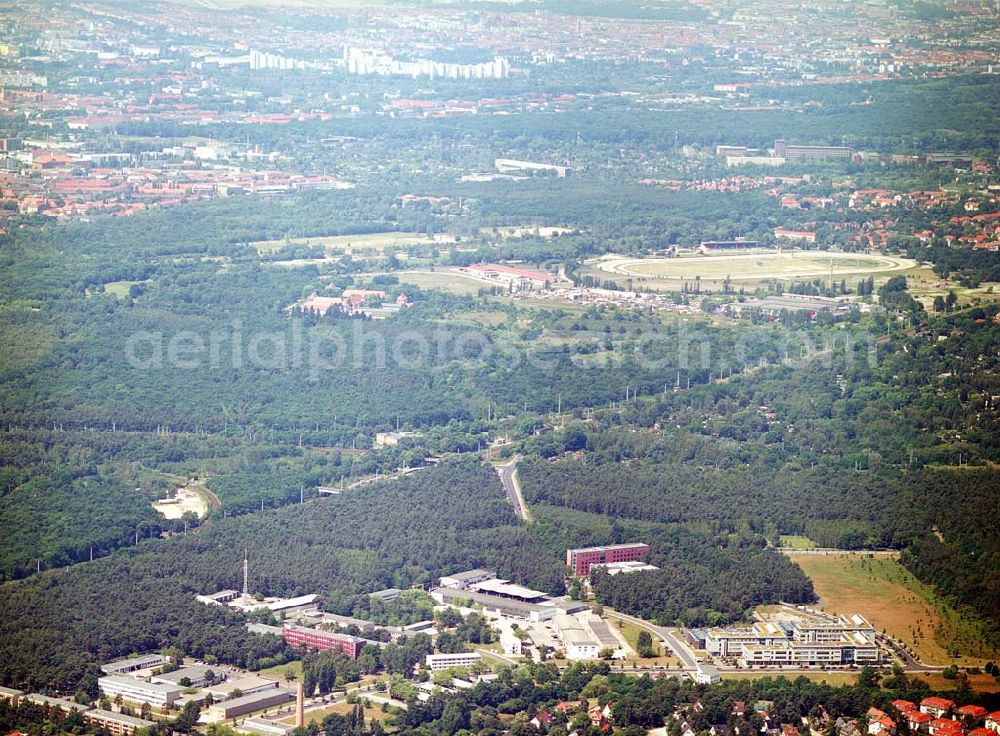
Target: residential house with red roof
[[879, 723], [945, 727], [937, 707], [971, 714], [918, 721]]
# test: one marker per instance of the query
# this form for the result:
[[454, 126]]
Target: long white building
[[834, 641], [139, 691], [457, 659]]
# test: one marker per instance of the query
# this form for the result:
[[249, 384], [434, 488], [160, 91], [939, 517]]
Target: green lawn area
[[280, 671], [120, 288], [631, 633]]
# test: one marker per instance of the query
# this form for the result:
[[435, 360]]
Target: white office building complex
[[139, 691]]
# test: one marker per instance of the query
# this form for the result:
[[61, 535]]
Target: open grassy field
[[831, 678], [367, 242], [924, 285], [981, 683], [455, 283], [787, 266], [894, 601], [317, 716], [796, 542]]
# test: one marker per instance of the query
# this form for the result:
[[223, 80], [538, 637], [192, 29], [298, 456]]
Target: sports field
[[451, 281], [747, 267], [885, 592]]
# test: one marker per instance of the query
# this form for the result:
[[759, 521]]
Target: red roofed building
[[993, 721], [936, 707], [918, 721], [809, 237], [981, 731], [302, 636], [904, 706], [945, 727], [971, 713], [879, 722]]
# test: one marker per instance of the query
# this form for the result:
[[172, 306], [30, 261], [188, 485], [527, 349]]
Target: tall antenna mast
[[246, 573]]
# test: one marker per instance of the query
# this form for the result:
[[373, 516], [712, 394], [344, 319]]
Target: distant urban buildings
[[512, 165], [362, 62], [788, 151], [521, 277]]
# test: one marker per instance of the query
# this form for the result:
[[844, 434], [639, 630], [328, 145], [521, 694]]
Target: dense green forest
[[58, 627]]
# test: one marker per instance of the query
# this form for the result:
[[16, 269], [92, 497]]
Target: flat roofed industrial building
[[139, 691], [617, 568], [506, 589], [246, 683], [467, 578], [248, 704], [386, 594], [505, 606], [580, 560], [577, 640], [133, 664], [264, 727], [195, 674]]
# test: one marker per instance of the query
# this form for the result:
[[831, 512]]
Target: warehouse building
[[463, 580], [576, 639], [245, 704], [193, 676], [510, 607], [246, 684], [133, 664]]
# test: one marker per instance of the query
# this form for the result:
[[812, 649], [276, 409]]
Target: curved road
[[508, 477], [670, 636]]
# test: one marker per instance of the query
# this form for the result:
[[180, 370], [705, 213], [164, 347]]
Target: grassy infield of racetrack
[[750, 268]]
